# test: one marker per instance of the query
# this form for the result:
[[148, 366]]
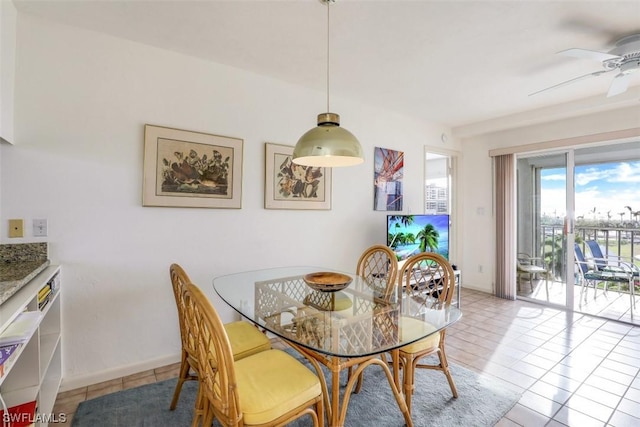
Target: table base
[[336, 410]]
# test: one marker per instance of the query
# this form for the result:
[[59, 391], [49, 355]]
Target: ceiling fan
[[624, 57]]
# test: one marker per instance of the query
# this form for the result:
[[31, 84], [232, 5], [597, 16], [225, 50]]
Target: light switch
[[16, 228], [39, 227]]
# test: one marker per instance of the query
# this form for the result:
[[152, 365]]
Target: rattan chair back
[[179, 280], [378, 266], [428, 280], [189, 362], [215, 359]]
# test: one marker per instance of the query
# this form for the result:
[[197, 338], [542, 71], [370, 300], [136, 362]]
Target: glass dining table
[[343, 329]]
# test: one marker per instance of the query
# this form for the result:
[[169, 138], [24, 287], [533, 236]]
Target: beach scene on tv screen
[[408, 235]]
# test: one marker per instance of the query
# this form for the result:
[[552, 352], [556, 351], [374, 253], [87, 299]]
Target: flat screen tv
[[411, 234]]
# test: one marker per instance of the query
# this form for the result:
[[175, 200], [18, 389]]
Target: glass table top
[[355, 321]]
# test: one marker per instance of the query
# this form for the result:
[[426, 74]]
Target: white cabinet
[[34, 371], [457, 289]]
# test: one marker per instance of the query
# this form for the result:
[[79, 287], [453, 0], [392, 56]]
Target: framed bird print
[[291, 186], [191, 169]]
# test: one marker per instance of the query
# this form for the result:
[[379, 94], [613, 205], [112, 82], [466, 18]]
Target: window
[[437, 184]]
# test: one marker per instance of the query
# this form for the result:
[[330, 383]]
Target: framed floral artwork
[[191, 169], [291, 186]]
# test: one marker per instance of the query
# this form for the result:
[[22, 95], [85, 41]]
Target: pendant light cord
[[328, 3]]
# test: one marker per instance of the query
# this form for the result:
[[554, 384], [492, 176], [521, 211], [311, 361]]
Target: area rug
[[482, 401]]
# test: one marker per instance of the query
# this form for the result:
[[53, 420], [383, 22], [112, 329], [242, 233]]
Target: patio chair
[[531, 266], [589, 274], [602, 262]]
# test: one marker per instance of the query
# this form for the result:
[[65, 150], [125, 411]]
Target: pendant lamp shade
[[328, 145]]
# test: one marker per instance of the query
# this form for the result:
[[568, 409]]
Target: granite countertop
[[14, 275]]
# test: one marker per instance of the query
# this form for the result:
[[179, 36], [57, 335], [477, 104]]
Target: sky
[[602, 190]]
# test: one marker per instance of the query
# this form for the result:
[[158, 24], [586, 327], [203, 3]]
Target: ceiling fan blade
[[619, 84], [575, 79], [588, 54]]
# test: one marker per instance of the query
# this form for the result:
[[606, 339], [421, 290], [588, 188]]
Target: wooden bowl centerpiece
[[327, 281]]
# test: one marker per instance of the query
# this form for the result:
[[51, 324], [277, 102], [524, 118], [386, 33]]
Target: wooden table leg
[[337, 410], [395, 390], [395, 363], [335, 394]]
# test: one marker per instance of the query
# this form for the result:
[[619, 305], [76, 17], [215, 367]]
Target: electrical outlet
[[480, 268], [39, 228], [16, 228]]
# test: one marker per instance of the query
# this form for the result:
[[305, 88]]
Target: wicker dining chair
[[427, 281], [378, 267], [269, 388], [245, 338]]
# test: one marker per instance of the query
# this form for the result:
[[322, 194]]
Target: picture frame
[[291, 186], [387, 179], [191, 169]]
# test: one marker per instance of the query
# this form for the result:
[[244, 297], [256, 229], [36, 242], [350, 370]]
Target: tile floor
[[573, 369]]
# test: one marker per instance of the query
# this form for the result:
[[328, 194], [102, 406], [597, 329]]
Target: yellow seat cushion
[[272, 383], [341, 302], [335, 301], [411, 328], [245, 339]]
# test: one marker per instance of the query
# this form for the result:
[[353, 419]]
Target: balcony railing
[[615, 241]]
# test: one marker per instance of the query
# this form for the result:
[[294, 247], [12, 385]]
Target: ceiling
[[458, 63]]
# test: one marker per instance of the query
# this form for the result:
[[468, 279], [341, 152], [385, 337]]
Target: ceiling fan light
[[328, 145]]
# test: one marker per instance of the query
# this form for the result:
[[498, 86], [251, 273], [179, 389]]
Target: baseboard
[[479, 289], [84, 380]]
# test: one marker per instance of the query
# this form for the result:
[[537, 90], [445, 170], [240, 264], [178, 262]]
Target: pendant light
[[328, 145]]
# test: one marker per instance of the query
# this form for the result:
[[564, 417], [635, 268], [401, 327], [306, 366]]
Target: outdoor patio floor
[[612, 304]]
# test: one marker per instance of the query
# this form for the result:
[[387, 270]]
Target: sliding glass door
[[586, 197], [545, 228], [607, 227]]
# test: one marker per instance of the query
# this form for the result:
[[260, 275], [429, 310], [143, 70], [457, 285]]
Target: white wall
[[476, 200], [82, 100], [8, 20]]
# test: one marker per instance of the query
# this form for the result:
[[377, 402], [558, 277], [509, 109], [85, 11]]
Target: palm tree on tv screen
[[409, 239], [399, 238], [428, 237]]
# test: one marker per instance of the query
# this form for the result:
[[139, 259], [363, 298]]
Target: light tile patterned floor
[[573, 369]]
